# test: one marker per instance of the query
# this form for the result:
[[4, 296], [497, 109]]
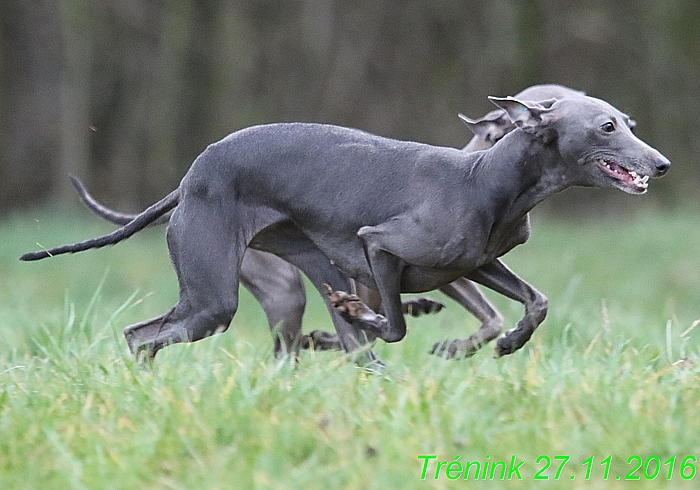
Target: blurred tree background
[[126, 93]]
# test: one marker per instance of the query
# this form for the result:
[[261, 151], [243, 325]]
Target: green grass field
[[613, 372]]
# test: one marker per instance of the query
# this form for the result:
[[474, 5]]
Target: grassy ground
[[613, 372]]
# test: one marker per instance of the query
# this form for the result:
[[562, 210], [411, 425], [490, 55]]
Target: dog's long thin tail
[[140, 222], [106, 213]]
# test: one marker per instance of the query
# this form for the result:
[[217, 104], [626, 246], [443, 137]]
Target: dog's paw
[[504, 346], [351, 307], [145, 355], [455, 349], [340, 300], [513, 340], [421, 306], [321, 341]]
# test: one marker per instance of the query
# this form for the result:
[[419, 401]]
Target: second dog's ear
[[492, 127], [525, 115]]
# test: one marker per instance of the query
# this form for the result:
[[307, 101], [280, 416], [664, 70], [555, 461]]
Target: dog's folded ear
[[492, 127], [529, 116]]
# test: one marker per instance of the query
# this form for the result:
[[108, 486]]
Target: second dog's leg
[[279, 288]]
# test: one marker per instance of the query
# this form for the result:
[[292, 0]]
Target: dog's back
[[299, 166]]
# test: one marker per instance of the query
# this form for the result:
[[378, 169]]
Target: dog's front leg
[[467, 294], [386, 270], [497, 276], [372, 301]]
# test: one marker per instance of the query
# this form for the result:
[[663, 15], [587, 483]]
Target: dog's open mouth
[[632, 180]]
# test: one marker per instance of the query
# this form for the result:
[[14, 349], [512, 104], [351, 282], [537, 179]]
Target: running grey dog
[[397, 216], [278, 285]]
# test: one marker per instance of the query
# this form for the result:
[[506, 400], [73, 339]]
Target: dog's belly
[[285, 239], [422, 279]]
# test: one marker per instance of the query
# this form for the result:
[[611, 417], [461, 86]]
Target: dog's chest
[[506, 236]]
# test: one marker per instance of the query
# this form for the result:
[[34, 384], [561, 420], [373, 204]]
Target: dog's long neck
[[529, 169]]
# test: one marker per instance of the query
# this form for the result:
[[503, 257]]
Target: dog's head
[[496, 124], [594, 140]]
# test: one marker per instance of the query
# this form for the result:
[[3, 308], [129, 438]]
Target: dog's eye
[[608, 127]]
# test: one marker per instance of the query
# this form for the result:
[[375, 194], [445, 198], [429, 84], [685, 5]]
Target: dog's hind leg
[[497, 276], [415, 307], [207, 262], [311, 261], [275, 284], [467, 294], [286, 241], [321, 273]]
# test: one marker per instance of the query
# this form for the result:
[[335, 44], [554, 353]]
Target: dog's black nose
[[662, 165]]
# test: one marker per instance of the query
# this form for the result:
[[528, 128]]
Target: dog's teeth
[[638, 180]]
